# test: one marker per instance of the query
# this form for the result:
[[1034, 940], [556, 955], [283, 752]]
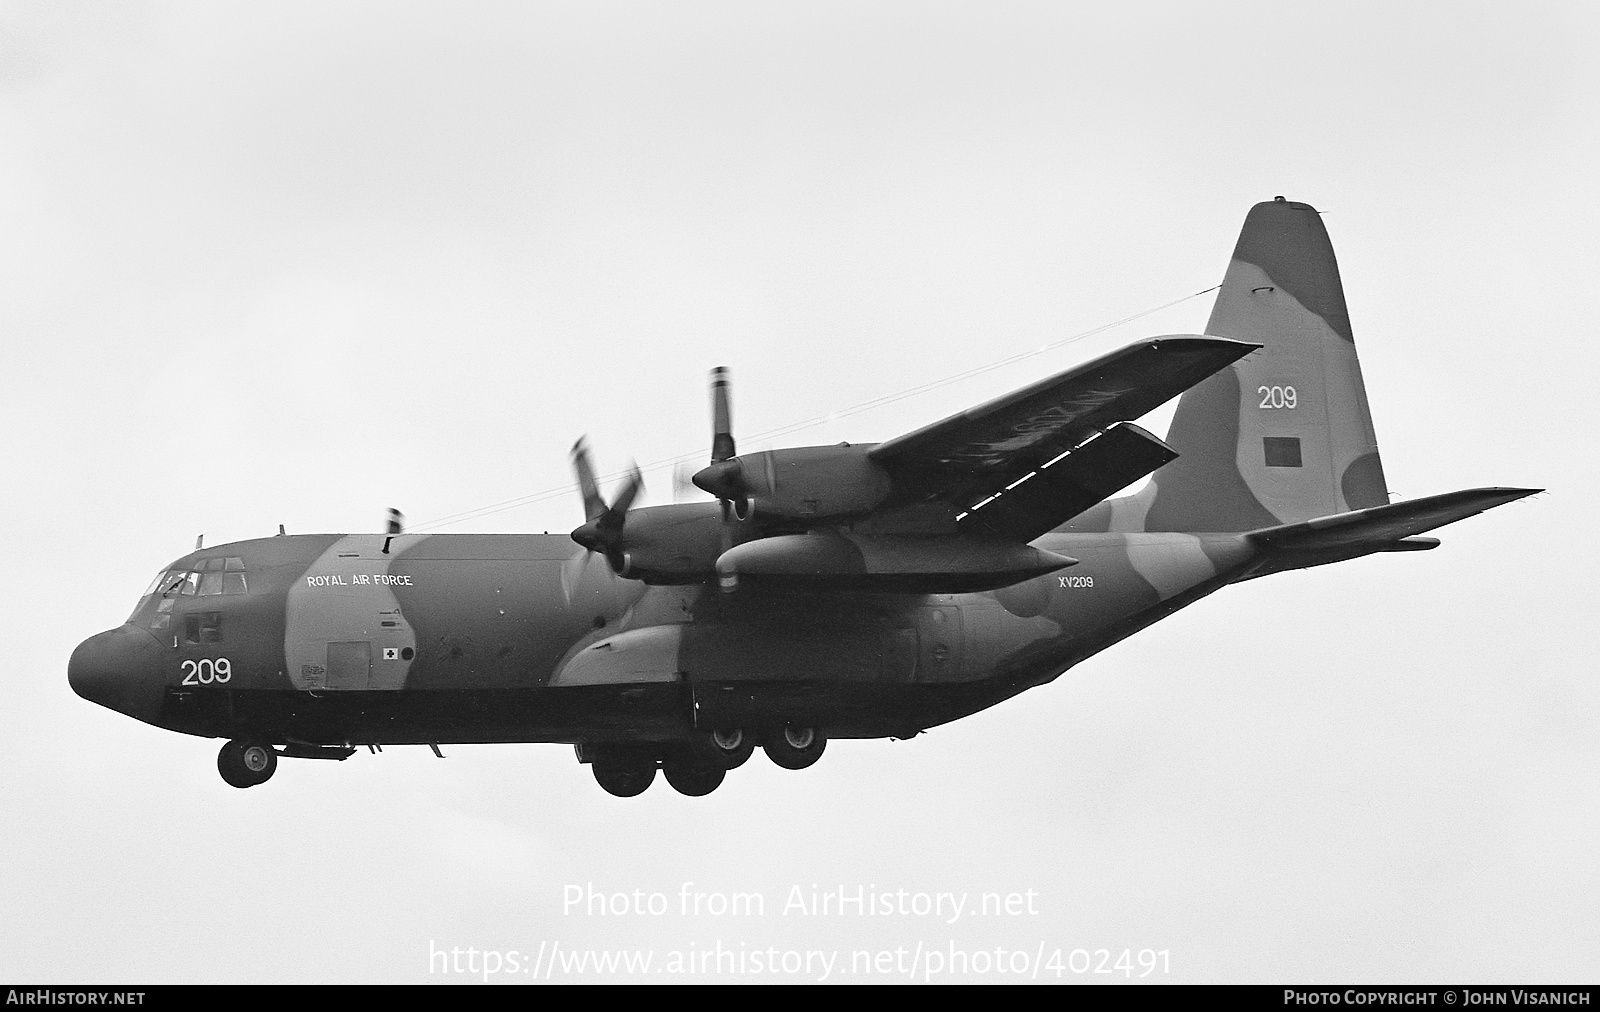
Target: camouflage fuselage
[[498, 638]]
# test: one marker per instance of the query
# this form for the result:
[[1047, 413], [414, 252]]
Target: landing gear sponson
[[697, 767]]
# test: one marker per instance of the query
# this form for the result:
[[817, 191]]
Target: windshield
[[221, 576]]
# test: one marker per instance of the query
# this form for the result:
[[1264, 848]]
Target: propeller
[[724, 478], [683, 487], [602, 528]]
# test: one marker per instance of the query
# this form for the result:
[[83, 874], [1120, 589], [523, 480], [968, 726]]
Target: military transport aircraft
[[850, 591]]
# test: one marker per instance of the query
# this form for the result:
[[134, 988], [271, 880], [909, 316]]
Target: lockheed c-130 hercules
[[849, 591]]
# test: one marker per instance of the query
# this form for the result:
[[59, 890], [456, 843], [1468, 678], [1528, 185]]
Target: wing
[[970, 457]]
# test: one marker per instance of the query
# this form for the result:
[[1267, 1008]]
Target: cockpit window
[[156, 586], [209, 578], [223, 576]]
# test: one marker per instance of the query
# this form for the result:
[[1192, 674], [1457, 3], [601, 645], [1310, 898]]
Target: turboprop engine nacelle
[[803, 482], [947, 564], [673, 544]]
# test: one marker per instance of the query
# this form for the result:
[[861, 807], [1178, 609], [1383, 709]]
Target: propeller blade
[[683, 487], [612, 523], [602, 530], [576, 578], [727, 525], [721, 416], [593, 505], [629, 493], [724, 478]]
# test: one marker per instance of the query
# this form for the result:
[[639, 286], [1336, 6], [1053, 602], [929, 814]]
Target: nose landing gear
[[244, 762]]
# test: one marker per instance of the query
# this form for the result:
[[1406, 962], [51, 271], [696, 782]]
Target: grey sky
[[296, 263]]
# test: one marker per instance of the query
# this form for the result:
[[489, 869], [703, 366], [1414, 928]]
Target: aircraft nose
[[119, 669]]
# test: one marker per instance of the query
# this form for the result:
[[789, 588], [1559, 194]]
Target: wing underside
[[1097, 470], [1015, 454]]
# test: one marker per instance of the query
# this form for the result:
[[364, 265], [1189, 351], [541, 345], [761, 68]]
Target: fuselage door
[[940, 633], [349, 665], [899, 655]]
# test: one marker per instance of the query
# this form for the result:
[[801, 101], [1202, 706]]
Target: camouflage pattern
[[494, 637], [1282, 291], [392, 639]]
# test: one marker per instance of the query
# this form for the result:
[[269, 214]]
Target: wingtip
[[1206, 341], [1512, 492]]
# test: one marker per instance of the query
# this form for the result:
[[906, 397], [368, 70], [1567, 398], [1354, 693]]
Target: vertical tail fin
[[1285, 434]]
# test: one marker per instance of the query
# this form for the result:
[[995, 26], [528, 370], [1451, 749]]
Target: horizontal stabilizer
[[1090, 474], [1377, 529]]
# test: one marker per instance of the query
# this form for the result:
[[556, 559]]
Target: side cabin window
[[202, 627]]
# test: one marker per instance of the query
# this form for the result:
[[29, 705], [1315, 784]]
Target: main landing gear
[[244, 762], [697, 767], [688, 775], [732, 748], [795, 748]]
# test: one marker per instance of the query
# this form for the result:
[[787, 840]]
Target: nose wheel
[[245, 762]]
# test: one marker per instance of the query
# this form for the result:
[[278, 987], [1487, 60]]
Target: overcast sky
[[299, 262]]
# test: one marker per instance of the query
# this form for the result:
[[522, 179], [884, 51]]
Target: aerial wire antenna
[[784, 430]]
